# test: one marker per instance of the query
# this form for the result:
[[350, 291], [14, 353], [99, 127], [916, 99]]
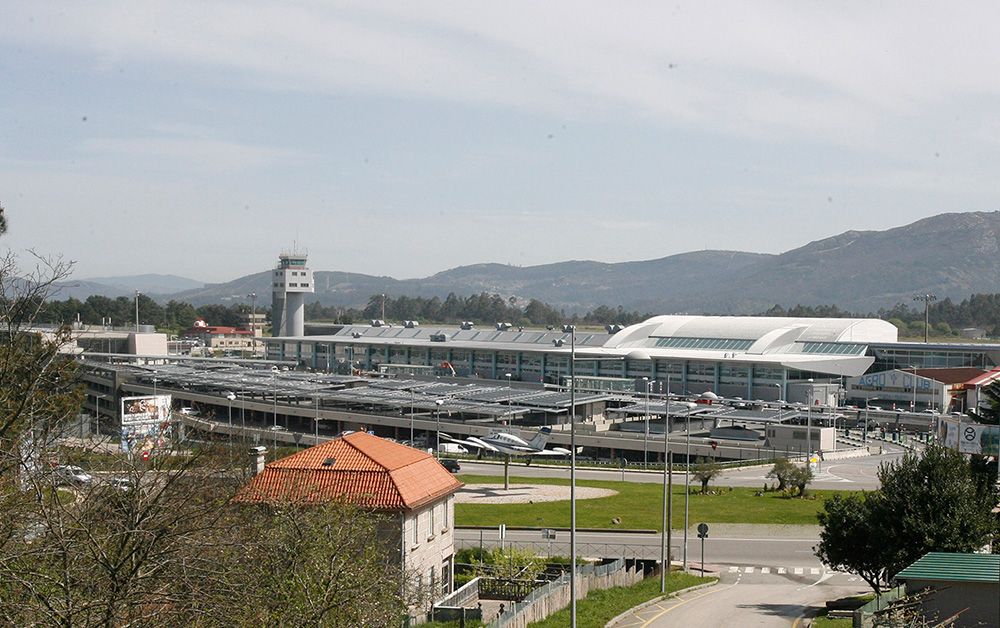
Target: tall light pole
[[509, 396], [137, 311], [809, 425], [231, 397], [274, 392], [645, 435], [926, 298], [687, 486], [412, 394], [668, 480], [437, 434], [253, 324], [572, 475], [243, 408], [913, 385]]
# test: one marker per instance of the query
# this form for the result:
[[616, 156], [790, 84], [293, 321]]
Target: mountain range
[[949, 255]]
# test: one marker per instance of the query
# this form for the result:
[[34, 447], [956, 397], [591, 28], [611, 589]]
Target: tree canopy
[[934, 502]]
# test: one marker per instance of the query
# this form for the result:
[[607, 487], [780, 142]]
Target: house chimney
[[257, 455]]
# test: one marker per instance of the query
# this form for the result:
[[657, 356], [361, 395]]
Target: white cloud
[[785, 69], [190, 153]]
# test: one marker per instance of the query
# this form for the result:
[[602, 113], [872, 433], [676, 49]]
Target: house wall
[[979, 598], [430, 550]]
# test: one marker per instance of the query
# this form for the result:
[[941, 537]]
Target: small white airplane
[[510, 445]]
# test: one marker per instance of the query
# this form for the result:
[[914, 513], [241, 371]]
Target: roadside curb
[[536, 529], [657, 600]]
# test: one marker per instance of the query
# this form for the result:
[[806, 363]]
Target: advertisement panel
[[970, 438], [145, 423]]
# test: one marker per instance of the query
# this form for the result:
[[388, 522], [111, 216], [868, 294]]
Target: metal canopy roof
[[948, 566]]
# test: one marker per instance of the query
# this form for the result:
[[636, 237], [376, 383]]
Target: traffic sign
[[713, 443], [702, 530]]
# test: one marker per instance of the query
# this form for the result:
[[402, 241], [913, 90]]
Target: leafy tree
[[800, 477], [782, 471], [705, 471], [853, 539], [930, 503]]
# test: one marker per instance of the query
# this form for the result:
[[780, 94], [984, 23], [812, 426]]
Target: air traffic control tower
[[291, 281]]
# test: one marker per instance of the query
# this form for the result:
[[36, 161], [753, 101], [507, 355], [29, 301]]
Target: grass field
[[600, 607], [639, 506]]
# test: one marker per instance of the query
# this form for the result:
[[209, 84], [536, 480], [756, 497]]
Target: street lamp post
[[572, 475], [687, 487], [645, 435], [668, 480], [274, 393], [231, 397], [437, 434], [243, 408], [137, 311], [412, 394], [509, 395], [809, 425]]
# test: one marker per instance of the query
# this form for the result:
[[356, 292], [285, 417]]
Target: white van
[[451, 448]]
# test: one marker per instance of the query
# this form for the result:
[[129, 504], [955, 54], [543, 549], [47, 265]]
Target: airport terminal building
[[733, 356]]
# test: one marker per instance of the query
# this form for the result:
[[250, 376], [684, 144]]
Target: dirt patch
[[524, 493]]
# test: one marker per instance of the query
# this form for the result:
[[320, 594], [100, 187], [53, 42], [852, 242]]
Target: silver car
[[72, 474]]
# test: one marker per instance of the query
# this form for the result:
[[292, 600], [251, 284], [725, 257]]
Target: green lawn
[[823, 621], [639, 506], [600, 607]]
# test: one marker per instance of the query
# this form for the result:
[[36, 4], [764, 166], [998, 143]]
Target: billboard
[[970, 438], [145, 423]]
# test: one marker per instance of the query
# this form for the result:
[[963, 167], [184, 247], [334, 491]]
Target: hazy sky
[[201, 138]]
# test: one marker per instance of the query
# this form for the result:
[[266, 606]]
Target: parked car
[[451, 464], [122, 485], [72, 474]]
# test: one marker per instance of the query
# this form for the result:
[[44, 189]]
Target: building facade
[[749, 357]]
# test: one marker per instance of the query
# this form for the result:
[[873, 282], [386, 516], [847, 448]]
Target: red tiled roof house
[[380, 475]]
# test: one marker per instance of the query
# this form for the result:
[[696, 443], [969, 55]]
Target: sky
[[203, 138]]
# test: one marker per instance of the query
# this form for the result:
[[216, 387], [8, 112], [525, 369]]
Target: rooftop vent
[[558, 342], [467, 325], [503, 326], [356, 334], [329, 462], [378, 322], [411, 324], [439, 337], [614, 329], [568, 328]]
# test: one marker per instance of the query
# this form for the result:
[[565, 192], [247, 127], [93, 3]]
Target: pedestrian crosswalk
[[781, 571]]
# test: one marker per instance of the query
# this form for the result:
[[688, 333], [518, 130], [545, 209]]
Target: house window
[[445, 522], [416, 529], [431, 530]]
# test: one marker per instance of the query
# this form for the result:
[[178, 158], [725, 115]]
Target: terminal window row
[[718, 344]]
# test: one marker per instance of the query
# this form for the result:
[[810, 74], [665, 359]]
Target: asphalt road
[[769, 575], [748, 599], [789, 547], [849, 474]]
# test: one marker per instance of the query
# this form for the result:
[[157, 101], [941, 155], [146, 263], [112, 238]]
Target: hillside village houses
[[380, 475]]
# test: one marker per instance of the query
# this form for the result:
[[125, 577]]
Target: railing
[[864, 616]]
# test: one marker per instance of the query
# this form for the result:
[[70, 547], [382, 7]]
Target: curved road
[[848, 474], [748, 599]]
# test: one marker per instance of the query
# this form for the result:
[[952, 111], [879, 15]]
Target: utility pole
[[926, 298], [253, 324], [137, 311]]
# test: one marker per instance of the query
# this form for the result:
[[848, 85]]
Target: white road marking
[[781, 570], [814, 571], [748, 570], [765, 570], [734, 569], [798, 571]]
